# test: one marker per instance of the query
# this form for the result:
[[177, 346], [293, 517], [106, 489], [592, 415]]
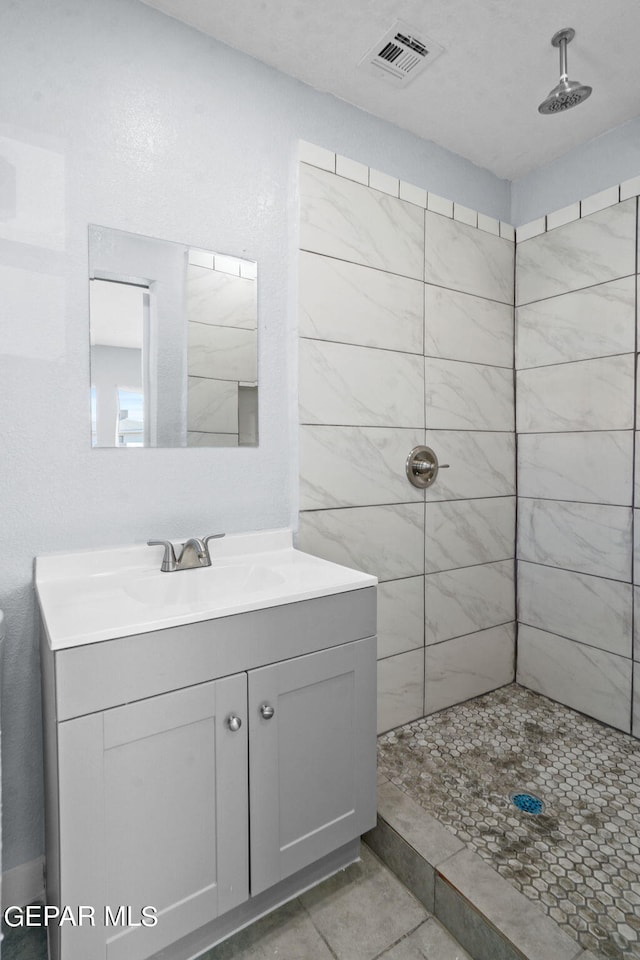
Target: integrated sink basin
[[99, 595], [235, 580]]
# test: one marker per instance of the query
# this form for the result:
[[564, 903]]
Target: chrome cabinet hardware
[[267, 711], [422, 467], [234, 723]]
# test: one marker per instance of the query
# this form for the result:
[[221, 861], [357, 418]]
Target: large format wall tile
[[459, 326], [584, 537], [595, 467], [467, 396], [636, 700], [385, 541], [463, 258], [223, 353], [590, 680], [468, 666], [585, 608], [459, 533], [360, 386], [400, 689], [595, 322], [636, 493], [470, 599], [349, 221], [212, 405], [196, 439], [400, 616], [349, 303], [363, 343], [480, 464], [588, 395], [636, 623], [221, 298], [592, 250], [355, 466]]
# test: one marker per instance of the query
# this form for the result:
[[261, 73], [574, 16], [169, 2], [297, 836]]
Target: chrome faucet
[[193, 553]]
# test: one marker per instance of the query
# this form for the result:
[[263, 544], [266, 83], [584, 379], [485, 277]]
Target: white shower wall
[[406, 337], [576, 401]]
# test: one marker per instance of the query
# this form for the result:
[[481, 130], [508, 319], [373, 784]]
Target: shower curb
[[483, 911]]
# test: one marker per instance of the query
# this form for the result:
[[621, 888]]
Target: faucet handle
[[169, 561], [212, 536]]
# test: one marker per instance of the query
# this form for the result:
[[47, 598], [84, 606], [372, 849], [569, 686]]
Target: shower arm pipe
[[563, 59]]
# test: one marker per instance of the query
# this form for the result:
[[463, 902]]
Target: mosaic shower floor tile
[[573, 843]]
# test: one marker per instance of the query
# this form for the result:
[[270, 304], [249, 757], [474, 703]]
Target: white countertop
[[96, 595]]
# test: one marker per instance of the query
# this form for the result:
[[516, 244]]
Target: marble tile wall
[[222, 346], [406, 337], [469, 415], [576, 289]]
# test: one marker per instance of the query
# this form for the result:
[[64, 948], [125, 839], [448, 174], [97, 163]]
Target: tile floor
[[362, 913], [579, 859]]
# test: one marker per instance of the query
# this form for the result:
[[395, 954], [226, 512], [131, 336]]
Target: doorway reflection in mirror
[[173, 334]]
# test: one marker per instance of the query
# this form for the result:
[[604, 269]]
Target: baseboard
[[23, 884]]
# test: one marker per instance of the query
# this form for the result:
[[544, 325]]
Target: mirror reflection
[[173, 332]]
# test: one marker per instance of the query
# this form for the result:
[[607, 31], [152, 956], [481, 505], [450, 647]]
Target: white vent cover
[[400, 55]]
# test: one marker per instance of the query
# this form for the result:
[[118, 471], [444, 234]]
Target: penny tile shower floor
[[580, 858]]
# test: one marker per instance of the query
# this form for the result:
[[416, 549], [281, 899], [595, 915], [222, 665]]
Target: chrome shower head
[[568, 93]]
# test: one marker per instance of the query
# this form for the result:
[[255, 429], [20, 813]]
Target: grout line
[[556, 433], [392, 426], [634, 480], [581, 643], [414, 503], [363, 346], [566, 293], [551, 566], [588, 503], [317, 929], [515, 468], [424, 601], [404, 276], [412, 353], [365, 266], [439, 643], [405, 936], [569, 363]]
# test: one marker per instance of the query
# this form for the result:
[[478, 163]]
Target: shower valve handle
[[422, 467]]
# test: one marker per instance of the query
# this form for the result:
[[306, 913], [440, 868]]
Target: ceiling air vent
[[400, 55]]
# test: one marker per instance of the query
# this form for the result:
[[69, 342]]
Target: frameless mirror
[[173, 332]]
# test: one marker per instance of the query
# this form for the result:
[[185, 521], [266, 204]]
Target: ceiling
[[480, 97]]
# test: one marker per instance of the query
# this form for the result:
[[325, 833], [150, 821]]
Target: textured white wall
[[114, 114]]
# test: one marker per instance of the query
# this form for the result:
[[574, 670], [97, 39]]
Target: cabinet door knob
[[267, 711], [234, 723]]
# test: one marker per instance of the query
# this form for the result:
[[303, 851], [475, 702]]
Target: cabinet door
[[153, 812], [312, 764]]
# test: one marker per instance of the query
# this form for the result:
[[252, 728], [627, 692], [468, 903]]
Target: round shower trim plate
[[527, 802], [567, 34]]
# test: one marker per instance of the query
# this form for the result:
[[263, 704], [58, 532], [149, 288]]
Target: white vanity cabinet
[[153, 812], [210, 771], [310, 760]]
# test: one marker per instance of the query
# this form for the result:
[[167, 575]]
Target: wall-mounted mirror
[[174, 353]]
